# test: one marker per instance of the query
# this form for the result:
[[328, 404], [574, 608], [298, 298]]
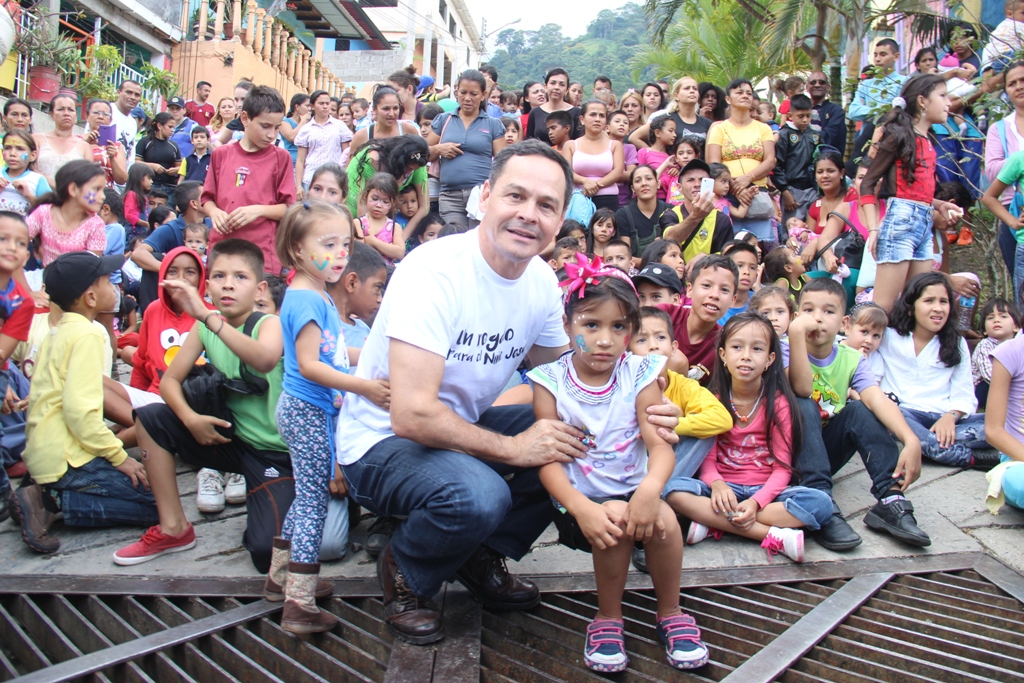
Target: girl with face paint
[[19, 186]]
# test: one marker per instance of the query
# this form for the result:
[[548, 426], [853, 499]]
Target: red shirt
[[887, 158], [239, 178], [16, 311], [700, 355], [200, 113]]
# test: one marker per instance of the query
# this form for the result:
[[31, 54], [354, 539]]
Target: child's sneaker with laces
[[209, 491], [234, 488], [683, 646], [605, 649], [153, 544], [698, 532], [789, 542]]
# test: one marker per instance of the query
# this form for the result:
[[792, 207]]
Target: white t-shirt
[[617, 462], [447, 300], [127, 129]]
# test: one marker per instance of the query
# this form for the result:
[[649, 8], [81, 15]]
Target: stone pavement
[[949, 506]]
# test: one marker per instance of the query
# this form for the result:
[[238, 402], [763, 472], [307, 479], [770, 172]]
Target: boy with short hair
[[825, 371], [564, 250], [510, 103], [196, 164], [357, 296], [79, 467], [618, 253], [249, 185], [795, 149], [559, 126], [657, 284], [879, 90], [360, 113], [149, 252], [17, 311], [712, 285], [270, 301], [704, 416], [745, 257], [766, 114], [408, 205], [255, 449], [197, 236]]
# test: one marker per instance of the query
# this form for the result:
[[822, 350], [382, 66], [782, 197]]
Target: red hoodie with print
[[163, 331]]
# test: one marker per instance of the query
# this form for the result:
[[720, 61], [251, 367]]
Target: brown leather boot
[[273, 587], [301, 615], [35, 520], [488, 579], [413, 619]]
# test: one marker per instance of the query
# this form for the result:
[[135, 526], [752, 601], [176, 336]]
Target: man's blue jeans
[[854, 429], [452, 502], [97, 495], [970, 433]]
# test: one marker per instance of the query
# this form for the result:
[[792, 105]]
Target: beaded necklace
[[745, 418]]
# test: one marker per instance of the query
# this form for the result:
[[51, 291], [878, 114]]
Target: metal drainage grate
[[920, 620], [203, 639]]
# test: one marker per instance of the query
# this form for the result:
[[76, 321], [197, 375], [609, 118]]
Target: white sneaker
[[697, 533], [234, 488], [209, 491], [789, 542]]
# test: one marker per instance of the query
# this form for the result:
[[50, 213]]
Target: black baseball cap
[[176, 102], [695, 165], [69, 275], [659, 275]]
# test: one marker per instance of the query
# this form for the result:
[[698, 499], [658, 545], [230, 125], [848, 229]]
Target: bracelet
[[875, 230], [221, 322]]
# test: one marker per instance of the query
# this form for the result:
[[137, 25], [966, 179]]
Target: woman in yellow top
[[747, 147]]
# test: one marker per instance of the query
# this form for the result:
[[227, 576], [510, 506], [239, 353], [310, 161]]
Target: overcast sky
[[535, 13]]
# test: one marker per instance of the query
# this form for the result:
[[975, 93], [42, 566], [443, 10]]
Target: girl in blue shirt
[[313, 241]]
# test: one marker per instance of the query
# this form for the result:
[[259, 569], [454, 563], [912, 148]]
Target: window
[[451, 26], [442, 9]]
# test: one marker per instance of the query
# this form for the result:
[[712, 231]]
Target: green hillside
[[611, 41]]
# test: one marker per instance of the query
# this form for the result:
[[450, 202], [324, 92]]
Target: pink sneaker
[[153, 544], [789, 542]]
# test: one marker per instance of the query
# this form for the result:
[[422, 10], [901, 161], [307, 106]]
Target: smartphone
[[707, 186], [107, 135]]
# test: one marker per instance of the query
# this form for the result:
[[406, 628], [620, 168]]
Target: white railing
[[125, 73]]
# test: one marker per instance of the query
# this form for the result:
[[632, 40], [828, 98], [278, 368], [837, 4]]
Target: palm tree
[[717, 41]]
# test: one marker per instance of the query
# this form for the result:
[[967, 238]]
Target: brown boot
[[301, 615], [413, 619], [35, 519], [273, 587], [488, 579]]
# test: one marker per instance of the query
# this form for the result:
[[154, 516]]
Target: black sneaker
[[897, 518], [984, 459], [5, 504], [379, 535], [837, 535], [640, 560]]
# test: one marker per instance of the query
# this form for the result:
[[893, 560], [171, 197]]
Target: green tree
[[717, 41]]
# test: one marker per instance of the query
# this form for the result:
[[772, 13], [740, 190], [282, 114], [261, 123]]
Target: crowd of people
[[651, 318]]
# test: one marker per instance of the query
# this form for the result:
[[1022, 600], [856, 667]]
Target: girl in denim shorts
[[905, 164]]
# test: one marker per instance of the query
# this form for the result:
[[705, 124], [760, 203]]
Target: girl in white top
[[612, 496], [927, 367]]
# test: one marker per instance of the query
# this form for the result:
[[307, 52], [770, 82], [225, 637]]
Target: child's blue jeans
[[97, 495], [970, 433], [810, 506]]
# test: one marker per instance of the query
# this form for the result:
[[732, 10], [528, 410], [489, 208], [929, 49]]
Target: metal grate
[[920, 620]]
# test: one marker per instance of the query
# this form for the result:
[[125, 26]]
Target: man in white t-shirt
[[129, 94]]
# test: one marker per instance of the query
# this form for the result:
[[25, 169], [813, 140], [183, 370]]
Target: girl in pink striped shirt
[[743, 484]]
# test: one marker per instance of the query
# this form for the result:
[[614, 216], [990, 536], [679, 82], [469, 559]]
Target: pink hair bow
[[583, 273]]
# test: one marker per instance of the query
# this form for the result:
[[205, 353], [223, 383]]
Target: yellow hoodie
[[703, 414]]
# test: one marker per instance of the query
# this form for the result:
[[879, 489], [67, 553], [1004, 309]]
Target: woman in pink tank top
[[597, 160]]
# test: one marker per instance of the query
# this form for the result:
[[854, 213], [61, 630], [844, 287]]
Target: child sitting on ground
[[657, 284], [618, 254], [1002, 322], [667, 253], [865, 328], [604, 508], [927, 366], [601, 231], [564, 250], [426, 230], [79, 467], [743, 485], [776, 304]]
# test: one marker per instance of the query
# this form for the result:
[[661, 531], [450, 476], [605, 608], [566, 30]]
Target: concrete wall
[[364, 65], [196, 61]]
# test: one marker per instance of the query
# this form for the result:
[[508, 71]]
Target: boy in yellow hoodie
[[704, 417], [79, 467]]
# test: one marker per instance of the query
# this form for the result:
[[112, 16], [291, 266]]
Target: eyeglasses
[[817, 82]]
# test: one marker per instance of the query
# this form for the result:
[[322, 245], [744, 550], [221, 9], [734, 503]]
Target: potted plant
[[158, 81], [101, 61], [54, 58]]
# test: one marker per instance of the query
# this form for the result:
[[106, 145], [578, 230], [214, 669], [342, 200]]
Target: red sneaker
[[153, 544]]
